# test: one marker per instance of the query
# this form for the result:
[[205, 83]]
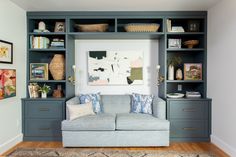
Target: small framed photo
[[193, 71], [174, 43], [59, 27], [38, 71], [6, 52]]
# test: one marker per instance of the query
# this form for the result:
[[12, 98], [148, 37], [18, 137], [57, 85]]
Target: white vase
[[179, 74], [43, 95], [171, 72]]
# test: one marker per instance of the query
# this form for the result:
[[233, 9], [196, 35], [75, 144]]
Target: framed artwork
[[115, 67], [174, 43], [59, 27], [193, 71], [6, 52], [38, 71], [7, 83]]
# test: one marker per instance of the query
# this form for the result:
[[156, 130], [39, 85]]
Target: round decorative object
[[179, 74], [175, 95], [41, 26], [171, 72], [191, 43], [57, 67]]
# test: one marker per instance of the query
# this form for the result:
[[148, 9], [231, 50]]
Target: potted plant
[[173, 62], [44, 90]]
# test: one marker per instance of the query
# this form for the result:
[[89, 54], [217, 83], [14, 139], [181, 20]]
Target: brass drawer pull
[[189, 110], [43, 109], [44, 129], [190, 129]]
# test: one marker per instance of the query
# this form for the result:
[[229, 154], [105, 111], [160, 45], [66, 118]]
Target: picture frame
[[59, 27], [174, 43], [38, 71], [6, 52], [7, 83], [193, 71]]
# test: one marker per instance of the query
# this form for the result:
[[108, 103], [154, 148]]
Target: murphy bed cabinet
[[190, 118]]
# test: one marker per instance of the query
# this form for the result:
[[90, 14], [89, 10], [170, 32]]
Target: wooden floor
[[175, 146]]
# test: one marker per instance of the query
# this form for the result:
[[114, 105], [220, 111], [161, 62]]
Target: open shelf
[[184, 81], [49, 49], [47, 81], [184, 49]]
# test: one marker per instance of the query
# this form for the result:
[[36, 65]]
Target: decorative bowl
[[102, 27], [175, 95], [191, 43], [141, 27]]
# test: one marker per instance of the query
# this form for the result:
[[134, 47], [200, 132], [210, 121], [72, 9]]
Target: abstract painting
[[7, 83], [6, 52], [115, 67]]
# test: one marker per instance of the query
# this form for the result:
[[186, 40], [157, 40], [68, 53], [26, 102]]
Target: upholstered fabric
[[141, 103], [139, 121], [79, 110], [94, 98], [159, 108], [97, 122], [116, 103]]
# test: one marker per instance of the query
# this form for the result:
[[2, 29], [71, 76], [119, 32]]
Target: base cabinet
[[42, 119], [189, 119]]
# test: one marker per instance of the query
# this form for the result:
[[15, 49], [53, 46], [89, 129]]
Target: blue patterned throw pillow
[[141, 103], [94, 98]]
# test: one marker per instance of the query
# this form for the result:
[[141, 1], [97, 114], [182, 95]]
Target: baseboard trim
[[223, 145], [11, 143]]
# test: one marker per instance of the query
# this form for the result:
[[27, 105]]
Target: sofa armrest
[[74, 100], [159, 108]]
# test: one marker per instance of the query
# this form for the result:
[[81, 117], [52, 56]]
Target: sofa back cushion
[[116, 103]]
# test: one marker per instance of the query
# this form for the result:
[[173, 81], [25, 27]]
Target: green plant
[[175, 61], [44, 89]]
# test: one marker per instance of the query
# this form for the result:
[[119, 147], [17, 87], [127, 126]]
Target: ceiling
[[115, 5]]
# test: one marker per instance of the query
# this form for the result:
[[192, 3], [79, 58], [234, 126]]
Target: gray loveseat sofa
[[117, 127]]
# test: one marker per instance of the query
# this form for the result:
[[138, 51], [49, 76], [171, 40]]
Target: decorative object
[[174, 43], [6, 52], [57, 93], [160, 78], [41, 26], [191, 43], [193, 25], [193, 94], [79, 110], [172, 63], [95, 98], [33, 90], [57, 43], [142, 27], [177, 29], [168, 25], [141, 103], [102, 27], [38, 71], [71, 79], [115, 67], [179, 74], [171, 72], [192, 71], [175, 95], [59, 27], [105, 152], [57, 67], [44, 90], [7, 83]]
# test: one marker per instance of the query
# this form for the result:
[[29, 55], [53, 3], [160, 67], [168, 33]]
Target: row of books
[[40, 42]]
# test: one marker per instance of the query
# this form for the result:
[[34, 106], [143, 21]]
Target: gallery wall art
[[7, 83], [115, 67], [6, 52]]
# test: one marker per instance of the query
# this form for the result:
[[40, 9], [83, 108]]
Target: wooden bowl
[[102, 27], [141, 27], [191, 43]]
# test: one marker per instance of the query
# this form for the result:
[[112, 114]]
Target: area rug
[[75, 152]]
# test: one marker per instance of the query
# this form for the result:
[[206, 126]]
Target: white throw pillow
[[79, 110]]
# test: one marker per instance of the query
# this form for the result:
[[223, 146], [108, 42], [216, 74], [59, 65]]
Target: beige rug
[[75, 152]]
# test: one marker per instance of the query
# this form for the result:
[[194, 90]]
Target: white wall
[[13, 29], [222, 74], [149, 48]]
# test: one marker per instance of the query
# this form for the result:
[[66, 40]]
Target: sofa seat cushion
[[138, 121], [103, 121]]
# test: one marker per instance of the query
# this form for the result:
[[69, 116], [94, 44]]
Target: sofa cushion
[[141, 103], [137, 121], [94, 98], [101, 122]]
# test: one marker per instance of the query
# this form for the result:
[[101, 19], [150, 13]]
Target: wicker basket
[[142, 27], [102, 27]]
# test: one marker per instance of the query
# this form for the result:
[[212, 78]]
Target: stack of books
[[193, 94], [57, 43], [39, 42]]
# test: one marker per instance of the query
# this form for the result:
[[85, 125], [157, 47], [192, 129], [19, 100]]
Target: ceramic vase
[[179, 74], [57, 67], [43, 95], [171, 72]]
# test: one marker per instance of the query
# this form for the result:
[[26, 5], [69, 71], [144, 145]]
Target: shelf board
[[184, 81], [185, 49], [48, 33], [48, 81], [186, 99], [185, 33], [46, 99], [51, 50]]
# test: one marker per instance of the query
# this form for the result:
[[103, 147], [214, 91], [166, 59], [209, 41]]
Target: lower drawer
[[43, 127], [185, 128]]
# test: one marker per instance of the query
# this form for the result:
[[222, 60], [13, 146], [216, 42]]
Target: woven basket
[[91, 27], [142, 27], [57, 67]]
